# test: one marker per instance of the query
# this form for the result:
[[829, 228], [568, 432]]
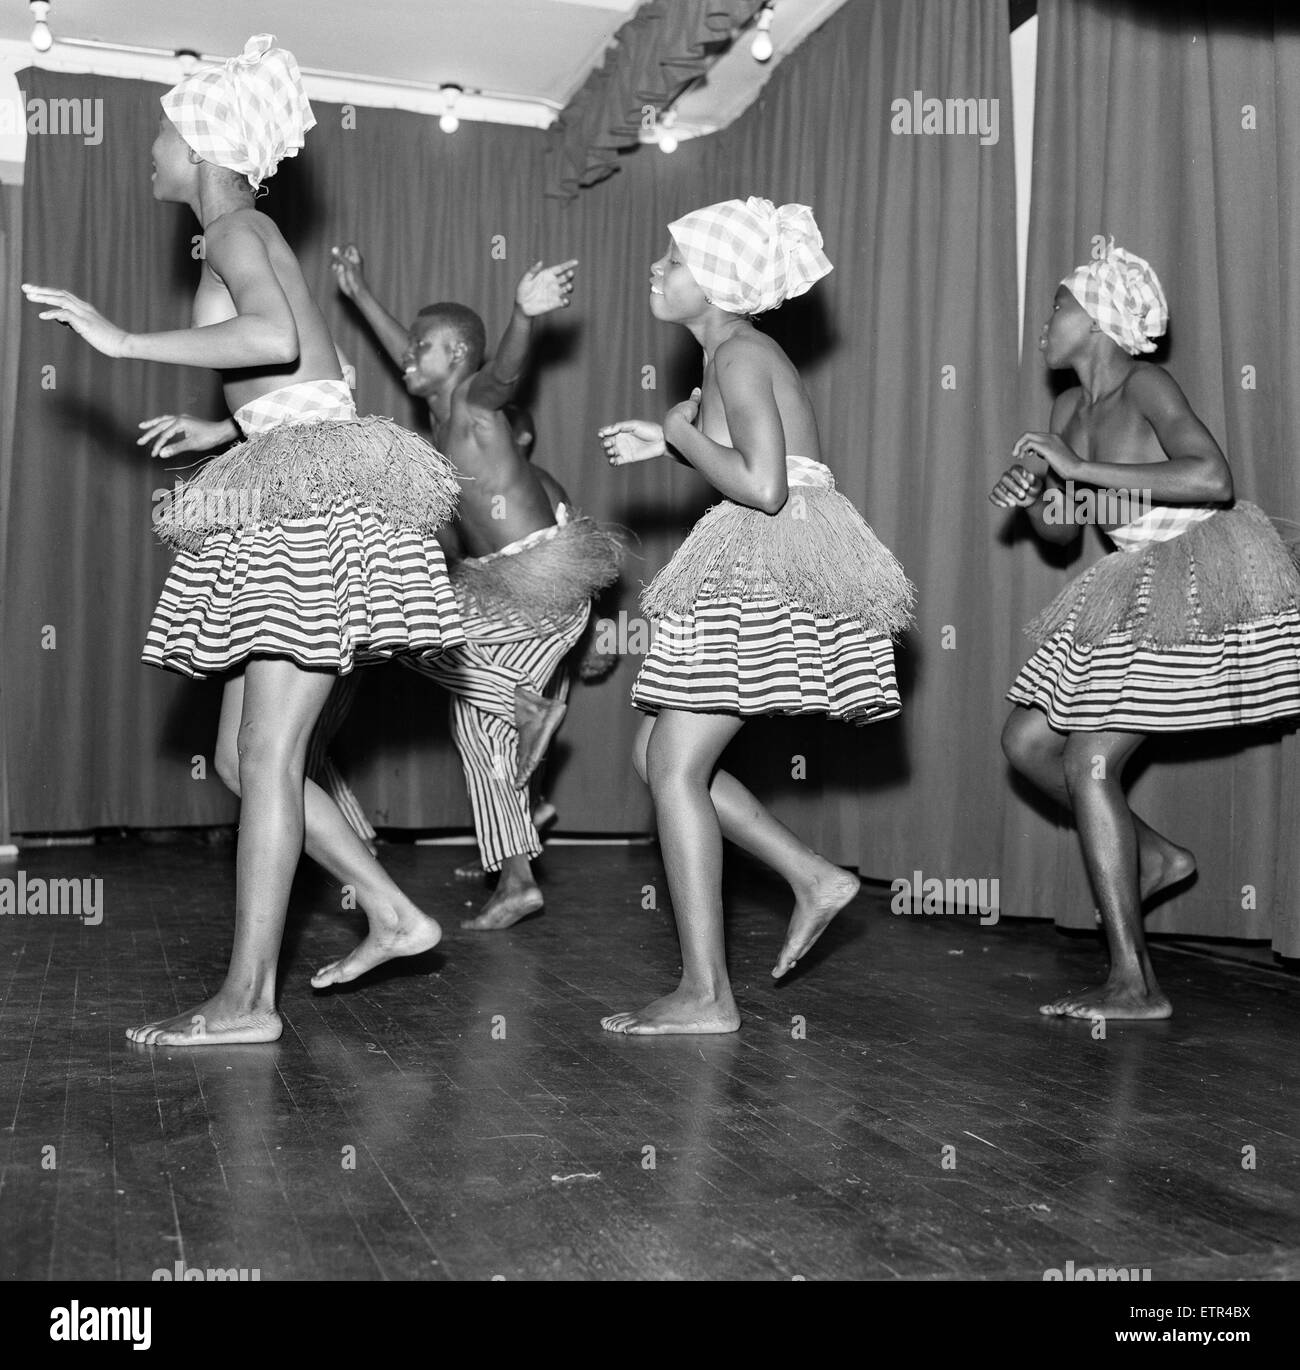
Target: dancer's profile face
[[675, 295], [1065, 330], [173, 172]]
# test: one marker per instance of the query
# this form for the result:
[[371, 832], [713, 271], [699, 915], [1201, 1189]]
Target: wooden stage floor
[[464, 1117]]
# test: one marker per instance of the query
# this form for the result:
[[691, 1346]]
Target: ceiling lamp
[[761, 51], [42, 38], [450, 121]]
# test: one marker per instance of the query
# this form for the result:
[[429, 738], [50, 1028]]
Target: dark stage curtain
[[909, 346], [1173, 128], [11, 256]]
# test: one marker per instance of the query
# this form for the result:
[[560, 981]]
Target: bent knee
[[226, 765], [1084, 764]]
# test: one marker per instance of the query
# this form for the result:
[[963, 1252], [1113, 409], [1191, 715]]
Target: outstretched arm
[[262, 333], [349, 273], [539, 292], [752, 471]]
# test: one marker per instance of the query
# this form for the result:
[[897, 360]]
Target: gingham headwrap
[[749, 256], [1123, 294], [246, 114]]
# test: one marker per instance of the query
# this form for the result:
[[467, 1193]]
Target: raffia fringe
[[817, 553], [1232, 568], [302, 468], [546, 583]]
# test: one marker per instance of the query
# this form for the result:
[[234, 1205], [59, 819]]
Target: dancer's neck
[[715, 328], [1102, 373]]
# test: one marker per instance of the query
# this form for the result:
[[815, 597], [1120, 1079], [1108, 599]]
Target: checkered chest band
[[1123, 294], [247, 114], [748, 256]]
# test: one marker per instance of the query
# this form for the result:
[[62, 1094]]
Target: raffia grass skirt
[[312, 542], [1201, 631], [791, 613]]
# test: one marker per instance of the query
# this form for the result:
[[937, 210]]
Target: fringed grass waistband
[[544, 581], [817, 553], [303, 468], [1226, 569]]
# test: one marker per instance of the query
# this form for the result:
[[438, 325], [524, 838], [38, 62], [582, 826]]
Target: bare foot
[[1122, 999], [537, 718], [814, 908], [212, 1024], [471, 870], [681, 1012], [404, 933], [1168, 866], [508, 904]]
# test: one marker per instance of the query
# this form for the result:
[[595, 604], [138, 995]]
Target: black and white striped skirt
[[765, 656], [327, 590]]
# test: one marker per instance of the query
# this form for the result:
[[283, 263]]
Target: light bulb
[[42, 38], [761, 49], [450, 121]]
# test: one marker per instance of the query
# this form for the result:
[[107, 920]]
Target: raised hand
[[633, 440], [543, 289], [349, 269], [1016, 488], [84, 319], [172, 434]]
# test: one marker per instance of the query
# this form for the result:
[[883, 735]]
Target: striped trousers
[[320, 765], [481, 677]]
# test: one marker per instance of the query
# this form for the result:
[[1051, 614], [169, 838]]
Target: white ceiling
[[532, 50], [518, 61]]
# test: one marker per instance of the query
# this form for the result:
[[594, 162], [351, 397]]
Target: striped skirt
[[1250, 674], [1195, 625], [326, 590], [764, 656]]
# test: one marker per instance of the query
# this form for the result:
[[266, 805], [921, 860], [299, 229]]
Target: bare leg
[[1091, 769], [245, 755], [1037, 751], [683, 751], [279, 706], [821, 889]]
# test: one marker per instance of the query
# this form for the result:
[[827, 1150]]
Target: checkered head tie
[[748, 256], [246, 114], [1123, 294]]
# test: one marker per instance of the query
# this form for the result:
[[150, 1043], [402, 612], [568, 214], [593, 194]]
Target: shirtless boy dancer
[[526, 579]]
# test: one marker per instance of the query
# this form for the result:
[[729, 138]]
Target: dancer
[[527, 574], [543, 813], [170, 435], [781, 600], [1193, 622], [303, 550]]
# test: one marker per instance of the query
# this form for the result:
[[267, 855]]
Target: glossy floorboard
[[898, 1109]]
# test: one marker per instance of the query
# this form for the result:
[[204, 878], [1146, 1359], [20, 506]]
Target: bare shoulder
[[751, 353], [1152, 384], [241, 225]]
